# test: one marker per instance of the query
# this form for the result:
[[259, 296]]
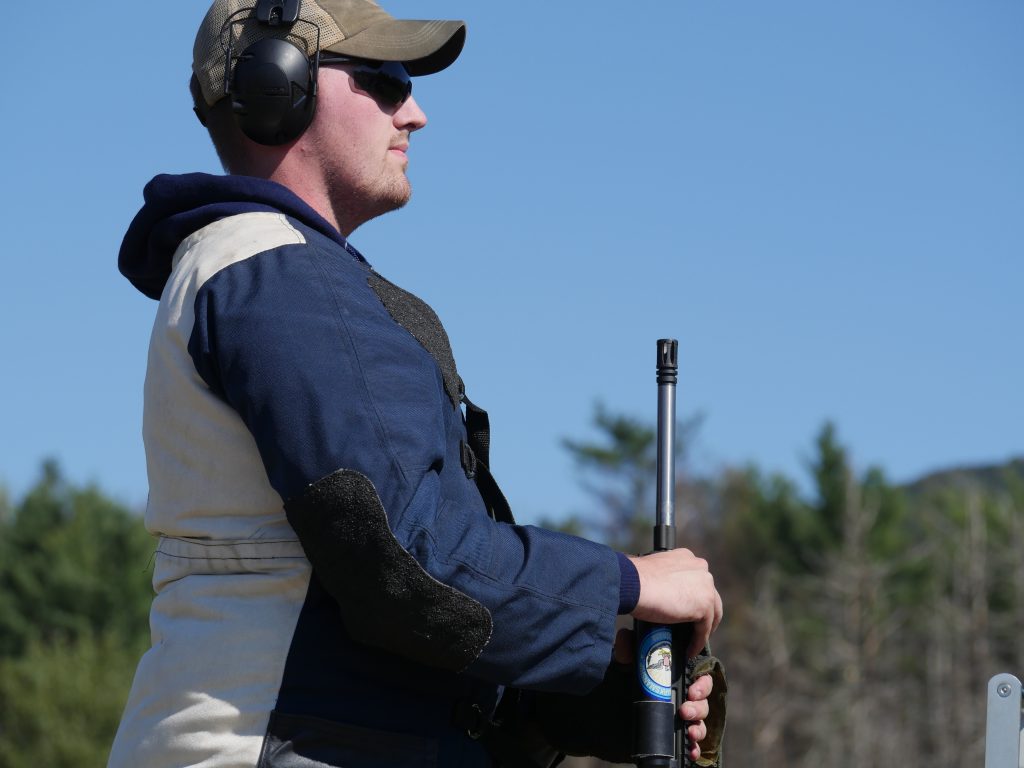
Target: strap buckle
[[469, 717], [468, 459]]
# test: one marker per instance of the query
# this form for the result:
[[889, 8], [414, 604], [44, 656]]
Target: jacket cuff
[[629, 585]]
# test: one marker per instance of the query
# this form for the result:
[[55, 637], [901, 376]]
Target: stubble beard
[[354, 205]]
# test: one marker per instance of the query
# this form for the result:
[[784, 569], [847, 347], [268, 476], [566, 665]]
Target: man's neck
[[315, 195]]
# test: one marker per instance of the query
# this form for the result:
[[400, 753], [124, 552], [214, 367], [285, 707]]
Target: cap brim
[[425, 47]]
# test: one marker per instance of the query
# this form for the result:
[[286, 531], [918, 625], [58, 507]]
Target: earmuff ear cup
[[273, 92]]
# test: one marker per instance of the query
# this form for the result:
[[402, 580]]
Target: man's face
[[361, 146]]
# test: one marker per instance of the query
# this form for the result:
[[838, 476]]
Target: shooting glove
[[711, 747]]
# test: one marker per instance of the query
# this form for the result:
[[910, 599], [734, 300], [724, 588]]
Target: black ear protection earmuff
[[272, 83]]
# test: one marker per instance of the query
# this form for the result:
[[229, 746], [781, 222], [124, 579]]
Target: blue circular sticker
[[655, 664]]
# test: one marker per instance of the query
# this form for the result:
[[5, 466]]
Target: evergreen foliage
[[75, 588], [863, 619], [61, 700], [624, 461]]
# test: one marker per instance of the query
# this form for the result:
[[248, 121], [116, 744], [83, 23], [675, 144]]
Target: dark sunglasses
[[386, 81]]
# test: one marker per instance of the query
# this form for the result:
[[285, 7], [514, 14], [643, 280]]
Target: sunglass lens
[[389, 82]]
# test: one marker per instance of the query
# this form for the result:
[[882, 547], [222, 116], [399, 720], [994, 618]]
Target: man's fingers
[[697, 706], [697, 732], [706, 624], [699, 639], [701, 688], [694, 711]]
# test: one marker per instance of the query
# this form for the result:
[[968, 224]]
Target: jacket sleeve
[[328, 382]]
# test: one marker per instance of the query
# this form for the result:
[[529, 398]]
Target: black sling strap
[[476, 462], [511, 740]]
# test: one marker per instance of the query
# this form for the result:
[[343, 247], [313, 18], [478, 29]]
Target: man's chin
[[368, 204], [396, 201], [400, 195], [386, 205]]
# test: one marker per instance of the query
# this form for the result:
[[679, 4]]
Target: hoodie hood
[[177, 206]]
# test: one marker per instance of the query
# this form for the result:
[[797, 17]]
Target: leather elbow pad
[[387, 599]]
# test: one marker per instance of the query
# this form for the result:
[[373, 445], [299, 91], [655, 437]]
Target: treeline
[[75, 589], [863, 619]]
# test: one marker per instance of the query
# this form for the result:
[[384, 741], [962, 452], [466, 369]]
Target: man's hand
[[694, 711], [676, 587]]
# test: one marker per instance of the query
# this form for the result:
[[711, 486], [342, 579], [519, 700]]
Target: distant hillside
[[987, 478]]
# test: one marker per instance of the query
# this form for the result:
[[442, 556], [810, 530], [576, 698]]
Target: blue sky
[[824, 202]]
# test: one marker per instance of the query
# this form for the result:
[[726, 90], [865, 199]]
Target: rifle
[[632, 714], [656, 741]]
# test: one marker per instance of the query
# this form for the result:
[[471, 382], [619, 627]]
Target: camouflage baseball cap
[[359, 28]]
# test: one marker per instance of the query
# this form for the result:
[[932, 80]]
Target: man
[[339, 581]]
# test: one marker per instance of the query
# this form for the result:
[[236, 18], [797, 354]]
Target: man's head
[[322, 82]]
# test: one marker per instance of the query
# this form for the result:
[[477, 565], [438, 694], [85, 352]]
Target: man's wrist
[[629, 585]]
